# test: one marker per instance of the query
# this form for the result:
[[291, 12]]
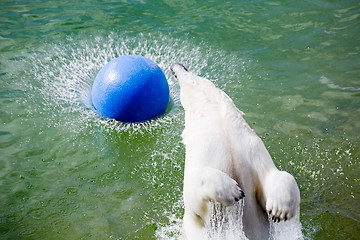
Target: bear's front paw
[[227, 191], [283, 196], [280, 210]]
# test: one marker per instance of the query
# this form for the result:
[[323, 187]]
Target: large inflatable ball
[[130, 88]]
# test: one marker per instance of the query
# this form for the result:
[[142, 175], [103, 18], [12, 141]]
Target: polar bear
[[226, 161]]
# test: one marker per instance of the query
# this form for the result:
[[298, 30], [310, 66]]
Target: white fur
[[223, 154]]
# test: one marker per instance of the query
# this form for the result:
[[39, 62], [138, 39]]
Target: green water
[[292, 66]]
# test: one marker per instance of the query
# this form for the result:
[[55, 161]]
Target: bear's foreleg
[[200, 186], [205, 184]]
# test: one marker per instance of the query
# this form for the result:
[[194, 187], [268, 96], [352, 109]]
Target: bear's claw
[[276, 219], [278, 215], [241, 193], [241, 196]]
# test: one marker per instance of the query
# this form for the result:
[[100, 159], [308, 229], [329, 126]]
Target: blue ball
[[130, 88]]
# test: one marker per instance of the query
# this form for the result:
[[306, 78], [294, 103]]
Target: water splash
[[61, 75], [226, 222], [290, 229]]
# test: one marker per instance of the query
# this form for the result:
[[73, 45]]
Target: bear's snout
[[175, 65]]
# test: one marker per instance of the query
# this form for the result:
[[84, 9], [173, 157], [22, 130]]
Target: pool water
[[66, 173]]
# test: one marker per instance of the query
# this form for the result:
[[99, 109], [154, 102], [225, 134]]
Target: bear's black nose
[[177, 64]]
